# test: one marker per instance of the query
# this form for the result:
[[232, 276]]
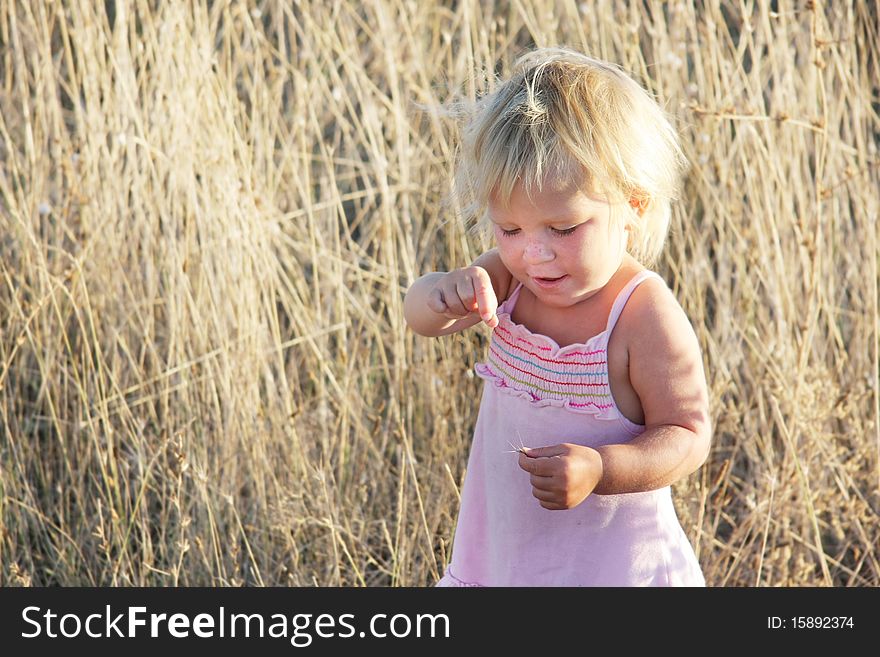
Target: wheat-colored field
[[209, 213]]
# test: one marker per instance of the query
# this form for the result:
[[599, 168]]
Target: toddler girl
[[595, 400]]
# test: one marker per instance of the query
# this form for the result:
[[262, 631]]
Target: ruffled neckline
[[555, 350], [592, 345]]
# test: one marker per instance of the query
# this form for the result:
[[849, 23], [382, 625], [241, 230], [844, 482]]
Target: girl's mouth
[[549, 282]]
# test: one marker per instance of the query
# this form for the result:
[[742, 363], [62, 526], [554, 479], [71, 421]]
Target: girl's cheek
[[504, 244], [507, 255]]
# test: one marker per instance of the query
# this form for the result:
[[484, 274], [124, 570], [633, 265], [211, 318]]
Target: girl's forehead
[[549, 199]]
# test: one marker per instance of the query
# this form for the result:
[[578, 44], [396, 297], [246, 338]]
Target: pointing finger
[[487, 302]]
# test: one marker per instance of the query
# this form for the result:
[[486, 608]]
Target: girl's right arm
[[441, 303]]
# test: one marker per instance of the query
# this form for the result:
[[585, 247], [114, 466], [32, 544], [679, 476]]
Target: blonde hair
[[562, 113]]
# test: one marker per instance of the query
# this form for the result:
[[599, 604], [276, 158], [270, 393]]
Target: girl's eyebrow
[[561, 218], [564, 217]]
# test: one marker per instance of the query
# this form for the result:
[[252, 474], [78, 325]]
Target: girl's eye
[[555, 231]]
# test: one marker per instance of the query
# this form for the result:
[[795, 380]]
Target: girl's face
[[561, 243]]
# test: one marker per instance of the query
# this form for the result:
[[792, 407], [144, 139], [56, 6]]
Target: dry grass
[[209, 216]]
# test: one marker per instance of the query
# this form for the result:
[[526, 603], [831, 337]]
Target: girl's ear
[[639, 203]]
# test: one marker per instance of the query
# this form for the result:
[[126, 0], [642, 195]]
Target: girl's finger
[[544, 496], [454, 305], [545, 452], [436, 302], [465, 291], [540, 482], [543, 467], [487, 302]]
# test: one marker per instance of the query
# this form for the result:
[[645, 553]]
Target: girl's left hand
[[562, 476]]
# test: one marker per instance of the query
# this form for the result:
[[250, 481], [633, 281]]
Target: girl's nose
[[536, 252]]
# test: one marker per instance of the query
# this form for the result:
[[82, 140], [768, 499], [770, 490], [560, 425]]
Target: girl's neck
[[574, 324]]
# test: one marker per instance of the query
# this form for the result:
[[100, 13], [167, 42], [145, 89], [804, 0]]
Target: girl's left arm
[[666, 371]]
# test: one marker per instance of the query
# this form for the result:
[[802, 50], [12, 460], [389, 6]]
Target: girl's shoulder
[[650, 307], [654, 326]]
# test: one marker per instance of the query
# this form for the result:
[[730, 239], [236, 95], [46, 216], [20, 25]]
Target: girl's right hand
[[464, 291]]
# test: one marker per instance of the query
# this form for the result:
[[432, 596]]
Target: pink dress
[[538, 394]]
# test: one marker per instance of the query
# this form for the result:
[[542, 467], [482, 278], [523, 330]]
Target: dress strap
[[624, 295], [508, 304]]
